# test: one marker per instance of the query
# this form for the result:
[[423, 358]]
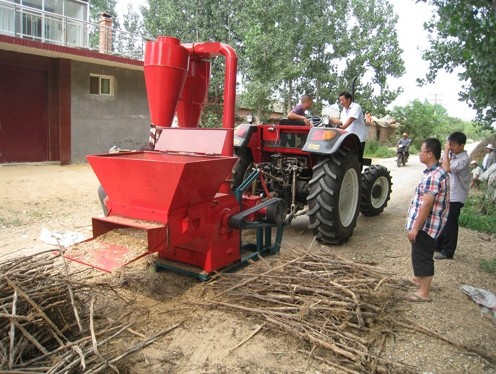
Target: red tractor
[[178, 197], [316, 167]]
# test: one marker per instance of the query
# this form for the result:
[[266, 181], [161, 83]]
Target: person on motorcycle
[[298, 112], [404, 142]]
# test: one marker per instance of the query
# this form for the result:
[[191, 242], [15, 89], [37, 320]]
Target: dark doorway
[[23, 114]]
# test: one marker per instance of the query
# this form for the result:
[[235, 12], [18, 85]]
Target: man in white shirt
[[456, 163], [352, 119]]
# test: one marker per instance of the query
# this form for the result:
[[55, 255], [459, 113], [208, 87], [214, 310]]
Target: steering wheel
[[316, 121]]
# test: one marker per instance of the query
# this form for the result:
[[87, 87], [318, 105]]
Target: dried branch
[[323, 299], [43, 311]]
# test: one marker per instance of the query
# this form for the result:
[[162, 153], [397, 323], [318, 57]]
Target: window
[[102, 85]]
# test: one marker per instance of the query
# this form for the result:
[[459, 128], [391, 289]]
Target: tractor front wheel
[[376, 190], [334, 196]]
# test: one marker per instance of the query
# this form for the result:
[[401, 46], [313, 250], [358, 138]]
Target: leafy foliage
[[462, 34], [375, 149], [286, 48], [479, 213], [97, 7], [423, 120]]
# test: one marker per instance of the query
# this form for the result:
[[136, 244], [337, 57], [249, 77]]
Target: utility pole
[[437, 100]]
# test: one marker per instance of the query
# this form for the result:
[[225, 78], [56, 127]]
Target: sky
[[412, 39]]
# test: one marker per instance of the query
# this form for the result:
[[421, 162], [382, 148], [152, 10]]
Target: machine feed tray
[[103, 256]]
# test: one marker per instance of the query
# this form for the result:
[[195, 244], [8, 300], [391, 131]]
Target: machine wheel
[[376, 190], [239, 171], [334, 197], [403, 160], [398, 159]]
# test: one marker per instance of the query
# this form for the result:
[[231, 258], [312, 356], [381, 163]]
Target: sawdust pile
[[133, 239]]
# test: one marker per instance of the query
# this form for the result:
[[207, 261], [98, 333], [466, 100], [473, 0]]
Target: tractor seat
[[291, 122]]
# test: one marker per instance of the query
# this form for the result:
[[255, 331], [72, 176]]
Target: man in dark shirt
[[298, 112]]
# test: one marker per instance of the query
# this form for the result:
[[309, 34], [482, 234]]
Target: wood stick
[[39, 310], [12, 333], [417, 327], [31, 338], [80, 353], [332, 364], [64, 347], [92, 329], [69, 288], [136, 348], [129, 330], [306, 336], [255, 278], [248, 338]]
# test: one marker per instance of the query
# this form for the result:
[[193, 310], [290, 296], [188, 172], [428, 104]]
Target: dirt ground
[[64, 199]]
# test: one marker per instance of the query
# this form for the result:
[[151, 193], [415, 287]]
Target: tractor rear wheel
[[240, 169], [334, 197], [376, 190]]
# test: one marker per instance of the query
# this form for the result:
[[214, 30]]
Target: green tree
[[288, 47], [127, 42], [268, 46], [373, 53], [421, 120], [97, 7], [462, 34]]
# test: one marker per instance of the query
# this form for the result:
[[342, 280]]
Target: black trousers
[[447, 241]]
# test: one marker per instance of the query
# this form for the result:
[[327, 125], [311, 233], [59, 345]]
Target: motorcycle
[[401, 155]]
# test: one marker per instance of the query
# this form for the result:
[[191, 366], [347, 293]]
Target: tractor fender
[[327, 141], [243, 134], [246, 142]]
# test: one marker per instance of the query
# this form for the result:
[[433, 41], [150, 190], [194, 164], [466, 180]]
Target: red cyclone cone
[[166, 67], [194, 94]]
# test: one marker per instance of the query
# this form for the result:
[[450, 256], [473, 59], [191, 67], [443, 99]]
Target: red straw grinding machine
[[180, 193]]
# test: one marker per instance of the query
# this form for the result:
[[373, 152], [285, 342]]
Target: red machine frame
[[180, 193]]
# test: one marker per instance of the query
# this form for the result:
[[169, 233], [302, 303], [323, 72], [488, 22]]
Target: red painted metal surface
[[213, 49], [104, 256], [201, 141], [200, 235], [250, 201], [150, 185], [166, 68], [181, 190], [194, 93]]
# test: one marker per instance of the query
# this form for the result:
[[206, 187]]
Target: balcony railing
[[34, 24]]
